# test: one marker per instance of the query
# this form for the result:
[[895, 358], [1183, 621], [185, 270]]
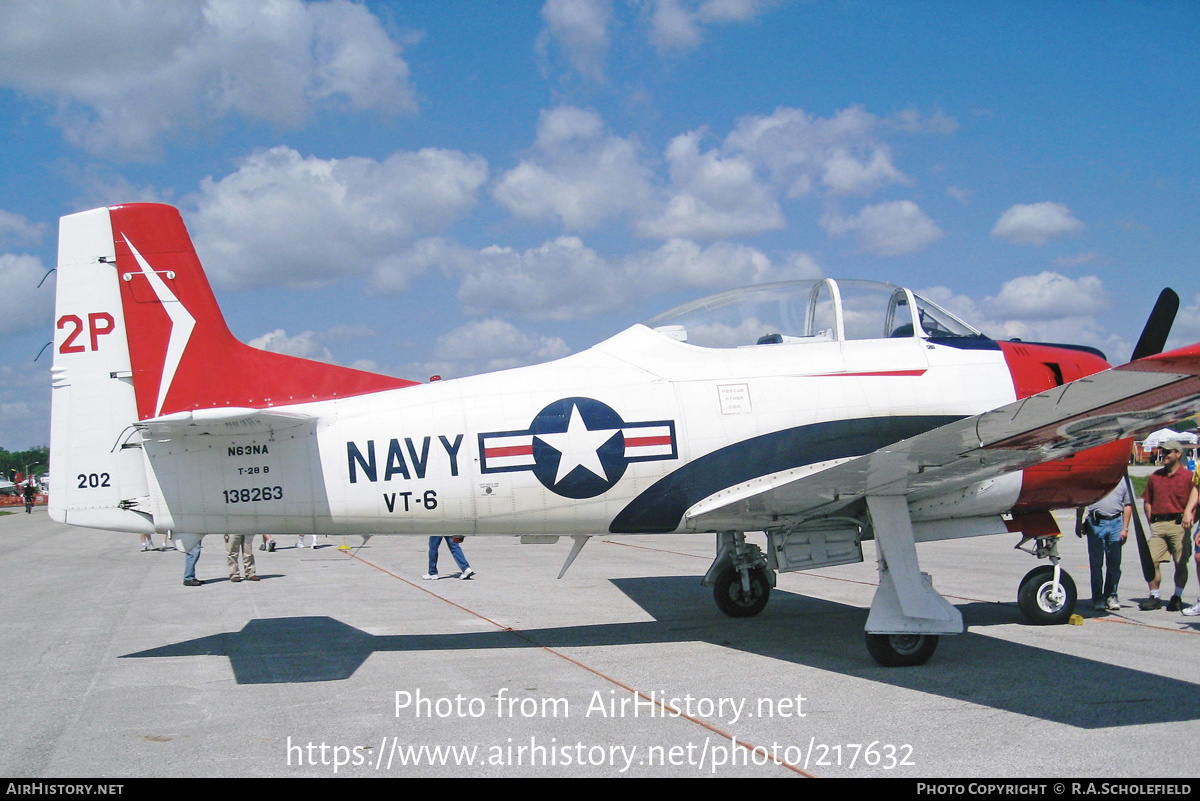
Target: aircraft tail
[[139, 336]]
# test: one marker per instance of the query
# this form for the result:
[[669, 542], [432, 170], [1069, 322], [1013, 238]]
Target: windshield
[[824, 310]]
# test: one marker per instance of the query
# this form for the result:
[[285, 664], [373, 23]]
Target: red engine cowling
[[1076, 480]]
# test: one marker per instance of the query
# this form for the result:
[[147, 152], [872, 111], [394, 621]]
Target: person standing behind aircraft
[[435, 544], [1106, 524], [240, 544], [1189, 519], [189, 566], [1165, 499]]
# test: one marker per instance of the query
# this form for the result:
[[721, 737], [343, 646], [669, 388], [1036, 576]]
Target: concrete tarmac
[[348, 664]]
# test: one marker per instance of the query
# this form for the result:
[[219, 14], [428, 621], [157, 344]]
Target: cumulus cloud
[[282, 219], [577, 173], [392, 273], [305, 344], [678, 24], [887, 229], [1036, 223], [566, 280], [682, 263], [124, 75], [1048, 296], [1186, 329], [483, 346], [712, 196], [23, 305], [580, 29], [559, 280], [15, 229], [311, 344], [1047, 307], [801, 152]]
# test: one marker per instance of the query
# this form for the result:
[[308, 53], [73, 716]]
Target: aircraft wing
[[1115, 404]]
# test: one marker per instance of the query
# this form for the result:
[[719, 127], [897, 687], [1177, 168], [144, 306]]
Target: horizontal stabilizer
[[226, 421]]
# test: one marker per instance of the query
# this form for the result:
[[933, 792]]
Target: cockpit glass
[[771, 313], [795, 312], [938, 323]]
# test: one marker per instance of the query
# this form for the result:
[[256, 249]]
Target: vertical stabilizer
[[139, 336], [96, 482]]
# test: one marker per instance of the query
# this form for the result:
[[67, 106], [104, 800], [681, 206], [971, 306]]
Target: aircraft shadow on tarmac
[[807, 632]]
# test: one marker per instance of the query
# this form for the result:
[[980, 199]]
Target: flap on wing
[[228, 421], [1115, 404]]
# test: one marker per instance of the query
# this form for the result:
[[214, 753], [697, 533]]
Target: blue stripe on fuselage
[[659, 509]]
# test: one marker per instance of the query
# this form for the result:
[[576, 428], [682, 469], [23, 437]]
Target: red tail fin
[[182, 354]]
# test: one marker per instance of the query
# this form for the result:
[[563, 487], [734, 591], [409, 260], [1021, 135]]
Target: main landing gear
[[739, 576], [907, 615], [1047, 594], [901, 650]]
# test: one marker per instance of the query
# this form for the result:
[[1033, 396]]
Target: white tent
[[1156, 439]]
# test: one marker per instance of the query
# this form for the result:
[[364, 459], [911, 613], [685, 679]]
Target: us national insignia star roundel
[[577, 447]]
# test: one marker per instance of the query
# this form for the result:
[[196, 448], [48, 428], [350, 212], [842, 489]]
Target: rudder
[[139, 335]]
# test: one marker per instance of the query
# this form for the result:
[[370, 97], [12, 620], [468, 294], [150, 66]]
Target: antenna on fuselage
[[1158, 326]]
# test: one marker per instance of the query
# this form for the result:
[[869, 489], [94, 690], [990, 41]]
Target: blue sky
[[455, 187]]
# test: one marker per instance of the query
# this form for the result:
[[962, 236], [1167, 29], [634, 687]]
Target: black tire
[[1037, 600], [732, 599], [901, 650]]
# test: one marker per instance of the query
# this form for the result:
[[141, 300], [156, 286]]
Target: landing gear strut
[[1045, 600], [739, 576], [735, 600], [1047, 594]]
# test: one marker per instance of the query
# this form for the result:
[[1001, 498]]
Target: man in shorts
[[1165, 500]]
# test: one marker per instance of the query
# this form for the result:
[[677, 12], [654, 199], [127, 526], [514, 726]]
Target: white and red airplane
[[823, 413]]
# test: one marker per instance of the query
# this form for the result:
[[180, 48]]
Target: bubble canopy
[[823, 310]]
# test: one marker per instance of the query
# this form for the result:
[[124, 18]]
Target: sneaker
[[251, 578], [235, 579], [1175, 604], [431, 577], [263, 546], [271, 546], [1113, 605], [1154, 603], [1192, 611], [192, 583], [1099, 607], [466, 574]]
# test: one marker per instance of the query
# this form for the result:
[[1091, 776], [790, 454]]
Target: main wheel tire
[[1041, 601], [733, 600], [901, 650]]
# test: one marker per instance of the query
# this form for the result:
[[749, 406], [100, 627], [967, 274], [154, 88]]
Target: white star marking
[[578, 446]]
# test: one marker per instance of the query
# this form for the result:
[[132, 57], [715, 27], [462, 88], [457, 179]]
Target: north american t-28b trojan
[[823, 413]]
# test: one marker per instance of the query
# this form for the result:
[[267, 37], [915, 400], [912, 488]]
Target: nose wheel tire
[[733, 600], [1044, 602], [901, 650]]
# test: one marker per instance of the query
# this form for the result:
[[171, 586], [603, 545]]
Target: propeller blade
[[1158, 326], [1139, 532]]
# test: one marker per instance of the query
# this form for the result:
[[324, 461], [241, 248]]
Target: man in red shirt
[[1165, 499]]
